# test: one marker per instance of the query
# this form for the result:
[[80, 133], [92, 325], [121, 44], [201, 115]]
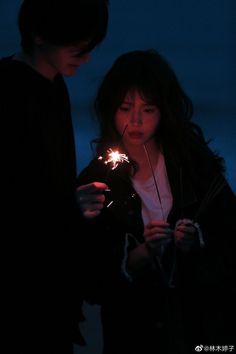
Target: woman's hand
[[91, 198], [157, 235], [185, 235]]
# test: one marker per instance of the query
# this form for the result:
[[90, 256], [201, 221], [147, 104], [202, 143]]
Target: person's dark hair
[[63, 22], [149, 73]]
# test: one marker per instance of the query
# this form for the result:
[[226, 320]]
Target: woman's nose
[[136, 118]]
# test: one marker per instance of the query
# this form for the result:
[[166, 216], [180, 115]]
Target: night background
[[197, 37]]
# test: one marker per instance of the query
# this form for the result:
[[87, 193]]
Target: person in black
[[42, 245], [163, 246]]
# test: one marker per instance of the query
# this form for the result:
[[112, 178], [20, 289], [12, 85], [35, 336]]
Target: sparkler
[[114, 157], [154, 179], [168, 281]]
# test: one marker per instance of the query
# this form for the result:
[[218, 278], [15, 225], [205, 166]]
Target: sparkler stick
[[124, 131], [154, 178], [168, 281]]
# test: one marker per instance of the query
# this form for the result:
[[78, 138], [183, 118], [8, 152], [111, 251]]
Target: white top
[[151, 208]]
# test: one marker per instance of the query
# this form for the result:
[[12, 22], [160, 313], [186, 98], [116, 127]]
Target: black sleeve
[[104, 242]]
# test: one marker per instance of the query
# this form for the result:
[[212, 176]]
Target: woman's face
[[136, 120]]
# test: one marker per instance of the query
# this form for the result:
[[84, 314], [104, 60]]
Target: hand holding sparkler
[[114, 158], [90, 198]]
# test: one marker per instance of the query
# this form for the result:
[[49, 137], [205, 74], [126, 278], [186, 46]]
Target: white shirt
[[151, 207]]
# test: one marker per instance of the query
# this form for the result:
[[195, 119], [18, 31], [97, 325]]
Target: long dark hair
[[149, 73]]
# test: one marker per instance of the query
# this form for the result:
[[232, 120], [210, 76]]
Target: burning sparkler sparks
[[114, 157]]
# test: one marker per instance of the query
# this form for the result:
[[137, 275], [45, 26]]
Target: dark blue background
[[198, 39]]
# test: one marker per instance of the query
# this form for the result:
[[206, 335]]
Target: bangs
[[136, 77], [148, 92]]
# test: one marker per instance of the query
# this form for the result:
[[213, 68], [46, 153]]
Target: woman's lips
[[135, 135]]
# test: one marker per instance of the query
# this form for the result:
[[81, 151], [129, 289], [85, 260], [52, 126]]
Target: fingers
[[85, 199], [184, 243], [158, 228], [157, 234], [90, 214], [90, 198], [92, 187], [160, 223], [158, 231], [186, 229], [156, 243], [184, 235]]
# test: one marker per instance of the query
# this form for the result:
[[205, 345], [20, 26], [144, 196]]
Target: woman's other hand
[[185, 235]]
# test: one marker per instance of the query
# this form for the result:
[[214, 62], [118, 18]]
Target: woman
[[161, 244]]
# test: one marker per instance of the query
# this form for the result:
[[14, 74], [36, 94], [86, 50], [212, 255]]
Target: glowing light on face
[[114, 157]]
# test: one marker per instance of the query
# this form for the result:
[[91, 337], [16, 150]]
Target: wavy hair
[[152, 76]]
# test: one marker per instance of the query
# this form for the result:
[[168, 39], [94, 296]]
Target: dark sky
[[198, 39]]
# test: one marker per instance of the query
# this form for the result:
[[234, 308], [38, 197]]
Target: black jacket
[[40, 237]]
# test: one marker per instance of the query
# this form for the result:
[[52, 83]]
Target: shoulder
[[211, 182], [5, 70], [9, 67], [12, 85], [16, 78]]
